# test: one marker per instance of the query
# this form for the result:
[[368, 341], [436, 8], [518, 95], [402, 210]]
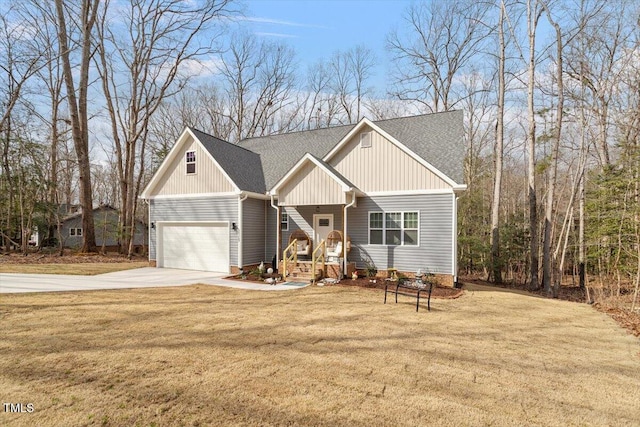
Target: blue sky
[[316, 29]]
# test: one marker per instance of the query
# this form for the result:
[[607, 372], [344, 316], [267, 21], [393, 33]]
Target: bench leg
[[417, 301]]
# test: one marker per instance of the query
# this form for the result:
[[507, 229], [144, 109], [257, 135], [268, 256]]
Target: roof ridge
[[222, 140], [415, 116], [296, 131]]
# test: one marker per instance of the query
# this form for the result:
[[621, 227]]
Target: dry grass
[[89, 268], [203, 355]]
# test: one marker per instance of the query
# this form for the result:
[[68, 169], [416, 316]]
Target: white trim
[[278, 242], [293, 170], [192, 196], [367, 122], [241, 199], [454, 242], [253, 195], [409, 192], [170, 157], [384, 229], [187, 162]]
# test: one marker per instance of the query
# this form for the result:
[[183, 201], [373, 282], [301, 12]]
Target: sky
[[316, 29]]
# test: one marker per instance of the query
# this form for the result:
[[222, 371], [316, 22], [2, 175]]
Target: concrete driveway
[[147, 277]]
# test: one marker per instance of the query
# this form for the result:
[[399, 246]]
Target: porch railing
[[289, 255], [315, 257]]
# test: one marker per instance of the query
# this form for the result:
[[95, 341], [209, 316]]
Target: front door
[[322, 226]]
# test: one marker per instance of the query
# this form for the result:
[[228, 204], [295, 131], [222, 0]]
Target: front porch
[[303, 270]]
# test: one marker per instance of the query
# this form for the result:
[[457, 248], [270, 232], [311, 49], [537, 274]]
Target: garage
[[194, 245]]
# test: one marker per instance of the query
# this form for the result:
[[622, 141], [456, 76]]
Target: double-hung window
[[191, 162], [393, 228], [284, 221]]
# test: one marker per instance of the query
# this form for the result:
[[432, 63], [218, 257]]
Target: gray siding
[[271, 236], [196, 209], [301, 217], [435, 250], [106, 230], [253, 235]]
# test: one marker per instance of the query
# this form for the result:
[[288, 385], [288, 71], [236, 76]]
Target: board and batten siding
[[207, 179], [195, 209], [311, 186], [435, 250], [253, 232], [383, 167]]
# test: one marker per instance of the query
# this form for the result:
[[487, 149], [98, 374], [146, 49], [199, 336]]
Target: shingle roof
[[437, 138], [243, 166], [257, 164], [279, 153]]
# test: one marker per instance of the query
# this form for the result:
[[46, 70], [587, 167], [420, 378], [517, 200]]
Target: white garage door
[[194, 246]]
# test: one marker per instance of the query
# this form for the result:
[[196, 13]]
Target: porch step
[[304, 272]]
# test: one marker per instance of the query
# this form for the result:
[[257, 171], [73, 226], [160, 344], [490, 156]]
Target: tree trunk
[[496, 263], [549, 263], [532, 21], [78, 111]]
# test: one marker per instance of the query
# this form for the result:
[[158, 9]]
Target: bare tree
[[85, 19], [548, 264], [443, 37], [534, 11], [21, 58], [258, 83], [161, 39], [350, 71], [496, 263]]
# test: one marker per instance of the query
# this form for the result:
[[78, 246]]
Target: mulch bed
[[617, 308], [437, 292]]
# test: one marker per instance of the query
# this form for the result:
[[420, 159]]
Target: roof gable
[[168, 165]]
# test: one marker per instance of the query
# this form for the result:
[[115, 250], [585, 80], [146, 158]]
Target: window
[[191, 162], [393, 228], [75, 232], [284, 221]]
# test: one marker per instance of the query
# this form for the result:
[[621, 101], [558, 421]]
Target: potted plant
[[371, 272]]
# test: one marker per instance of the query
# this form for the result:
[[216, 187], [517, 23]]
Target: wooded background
[[94, 94]]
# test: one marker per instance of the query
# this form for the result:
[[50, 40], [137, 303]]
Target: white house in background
[[389, 186]]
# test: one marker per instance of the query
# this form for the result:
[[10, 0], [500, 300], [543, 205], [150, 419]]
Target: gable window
[[393, 228], [284, 221], [191, 162], [75, 232]]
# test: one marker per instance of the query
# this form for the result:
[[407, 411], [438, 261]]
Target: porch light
[[234, 226]]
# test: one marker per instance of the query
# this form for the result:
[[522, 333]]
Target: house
[[105, 220], [391, 186]]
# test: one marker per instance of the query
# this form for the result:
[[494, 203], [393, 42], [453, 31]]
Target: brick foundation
[[153, 263]]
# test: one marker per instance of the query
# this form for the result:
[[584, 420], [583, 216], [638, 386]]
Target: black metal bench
[[413, 285]]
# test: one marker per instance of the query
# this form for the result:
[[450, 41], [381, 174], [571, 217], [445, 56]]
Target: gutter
[[241, 198], [344, 231], [277, 233]]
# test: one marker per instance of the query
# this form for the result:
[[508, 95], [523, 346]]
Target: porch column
[[344, 240], [279, 233]]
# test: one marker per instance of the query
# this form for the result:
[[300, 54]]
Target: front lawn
[[205, 355], [69, 264]]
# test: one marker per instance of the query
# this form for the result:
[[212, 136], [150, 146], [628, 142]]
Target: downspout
[[242, 197], [344, 236], [454, 261], [277, 235], [148, 229]]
